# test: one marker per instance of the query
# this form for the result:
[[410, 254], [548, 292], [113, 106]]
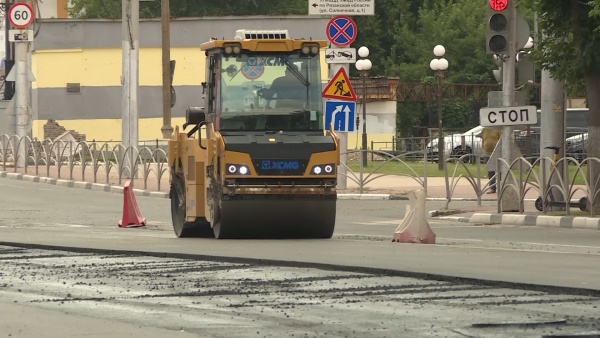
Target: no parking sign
[[253, 68], [341, 30]]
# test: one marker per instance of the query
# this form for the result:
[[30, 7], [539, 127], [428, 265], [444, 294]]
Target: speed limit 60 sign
[[20, 15]]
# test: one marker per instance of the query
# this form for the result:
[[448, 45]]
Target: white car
[[458, 145], [575, 146]]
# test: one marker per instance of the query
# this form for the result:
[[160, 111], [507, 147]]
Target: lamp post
[[439, 66], [364, 65]]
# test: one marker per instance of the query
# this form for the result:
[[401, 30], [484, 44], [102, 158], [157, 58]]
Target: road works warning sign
[[339, 87]]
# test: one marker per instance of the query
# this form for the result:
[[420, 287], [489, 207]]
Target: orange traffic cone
[[131, 213]]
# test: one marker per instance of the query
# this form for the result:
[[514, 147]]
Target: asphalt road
[[53, 293], [50, 215], [453, 278]]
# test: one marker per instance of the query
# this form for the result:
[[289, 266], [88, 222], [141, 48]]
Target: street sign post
[[336, 7], [340, 114], [340, 55], [20, 15], [341, 31], [508, 116]]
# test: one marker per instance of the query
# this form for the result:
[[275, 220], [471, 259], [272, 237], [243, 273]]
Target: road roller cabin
[[256, 160]]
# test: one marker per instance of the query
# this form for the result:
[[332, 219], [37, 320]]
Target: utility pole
[[509, 201], [129, 80], [21, 17], [501, 36], [8, 56], [166, 129], [552, 126]]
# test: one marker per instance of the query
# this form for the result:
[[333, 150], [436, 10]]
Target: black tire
[[583, 202], [538, 204], [199, 228], [458, 152]]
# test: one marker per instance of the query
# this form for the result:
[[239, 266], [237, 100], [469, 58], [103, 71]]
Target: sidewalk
[[156, 184]]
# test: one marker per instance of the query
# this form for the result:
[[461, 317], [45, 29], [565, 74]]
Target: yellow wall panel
[[383, 141], [108, 129], [60, 66], [103, 67]]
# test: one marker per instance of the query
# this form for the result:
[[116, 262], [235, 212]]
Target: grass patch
[[399, 168]]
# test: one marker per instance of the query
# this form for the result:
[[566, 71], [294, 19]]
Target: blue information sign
[[341, 114], [341, 30]]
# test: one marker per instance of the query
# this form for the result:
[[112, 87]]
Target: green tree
[[111, 9], [568, 49]]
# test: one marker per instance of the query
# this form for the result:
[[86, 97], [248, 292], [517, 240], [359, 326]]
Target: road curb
[[115, 189], [574, 222]]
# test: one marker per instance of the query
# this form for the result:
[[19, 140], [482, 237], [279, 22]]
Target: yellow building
[[78, 65]]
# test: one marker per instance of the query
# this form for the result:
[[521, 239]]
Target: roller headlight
[[323, 169], [232, 48], [237, 169]]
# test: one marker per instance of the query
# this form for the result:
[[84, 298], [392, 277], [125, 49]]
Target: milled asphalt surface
[[75, 294]]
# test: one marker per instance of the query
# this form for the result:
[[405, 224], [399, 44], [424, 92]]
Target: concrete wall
[[48, 9], [381, 125]]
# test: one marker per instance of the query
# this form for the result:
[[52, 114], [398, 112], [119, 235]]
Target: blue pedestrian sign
[[341, 114], [341, 30]]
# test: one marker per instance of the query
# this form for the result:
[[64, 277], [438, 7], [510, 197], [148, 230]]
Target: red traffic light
[[498, 5]]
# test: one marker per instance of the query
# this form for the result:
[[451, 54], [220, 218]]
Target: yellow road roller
[[256, 161]]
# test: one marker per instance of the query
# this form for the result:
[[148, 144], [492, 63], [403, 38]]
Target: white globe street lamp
[[364, 65], [439, 65]]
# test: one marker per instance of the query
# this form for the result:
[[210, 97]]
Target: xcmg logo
[[279, 165]]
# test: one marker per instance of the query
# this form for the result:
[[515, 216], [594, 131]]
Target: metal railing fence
[[107, 163]]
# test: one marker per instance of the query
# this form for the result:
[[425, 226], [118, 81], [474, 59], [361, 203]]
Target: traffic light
[[497, 26]]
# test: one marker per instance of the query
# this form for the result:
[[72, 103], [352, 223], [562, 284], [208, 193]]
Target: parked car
[[575, 146], [458, 145], [469, 142]]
